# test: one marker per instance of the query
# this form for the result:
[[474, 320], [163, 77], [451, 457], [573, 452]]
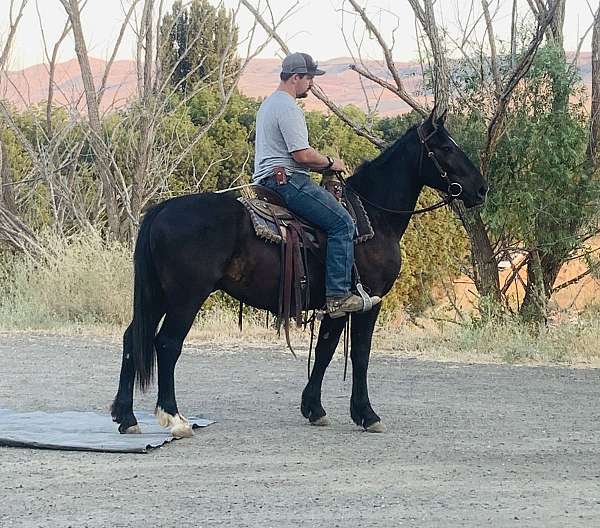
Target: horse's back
[[196, 232]]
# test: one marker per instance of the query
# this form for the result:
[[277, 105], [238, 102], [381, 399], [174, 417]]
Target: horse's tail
[[147, 300]]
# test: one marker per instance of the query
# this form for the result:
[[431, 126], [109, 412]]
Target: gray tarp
[[82, 431]]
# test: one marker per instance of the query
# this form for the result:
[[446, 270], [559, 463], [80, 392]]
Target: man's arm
[[314, 160]]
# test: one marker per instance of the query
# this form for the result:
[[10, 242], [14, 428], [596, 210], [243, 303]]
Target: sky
[[314, 27]]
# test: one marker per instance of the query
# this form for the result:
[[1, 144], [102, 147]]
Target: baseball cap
[[300, 63]]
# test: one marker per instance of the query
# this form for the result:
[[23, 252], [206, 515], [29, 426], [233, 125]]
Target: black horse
[[191, 246]]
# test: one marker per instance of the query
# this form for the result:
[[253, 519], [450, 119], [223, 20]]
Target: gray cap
[[300, 63]]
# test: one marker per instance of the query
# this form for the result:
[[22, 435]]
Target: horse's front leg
[[329, 336], [361, 334]]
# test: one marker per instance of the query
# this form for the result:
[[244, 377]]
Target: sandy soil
[[467, 445]]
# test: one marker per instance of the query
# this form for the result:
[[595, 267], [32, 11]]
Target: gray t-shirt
[[280, 130]]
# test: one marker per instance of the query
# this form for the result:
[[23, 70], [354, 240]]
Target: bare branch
[[572, 281], [103, 158], [513, 35], [493, 53], [13, 25], [384, 84], [51, 66], [497, 121], [387, 53], [426, 17], [116, 49]]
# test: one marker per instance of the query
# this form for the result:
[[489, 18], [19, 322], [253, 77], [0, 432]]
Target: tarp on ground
[[82, 431]]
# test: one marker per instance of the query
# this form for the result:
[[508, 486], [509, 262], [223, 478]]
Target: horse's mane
[[386, 155]]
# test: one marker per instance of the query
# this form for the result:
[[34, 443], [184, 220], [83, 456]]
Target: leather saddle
[[269, 213], [271, 218], [273, 222]]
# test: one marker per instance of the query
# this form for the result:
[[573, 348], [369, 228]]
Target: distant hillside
[[30, 86]]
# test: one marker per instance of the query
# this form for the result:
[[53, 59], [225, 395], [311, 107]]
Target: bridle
[[431, 155], [454, 189]]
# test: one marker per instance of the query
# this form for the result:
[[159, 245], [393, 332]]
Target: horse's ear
[[431, 117], [442, 119], [428, 124]]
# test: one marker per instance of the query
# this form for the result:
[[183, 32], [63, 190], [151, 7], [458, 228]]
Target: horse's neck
[[393, 186]]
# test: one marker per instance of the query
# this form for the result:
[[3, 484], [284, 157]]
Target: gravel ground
[[467, 444]]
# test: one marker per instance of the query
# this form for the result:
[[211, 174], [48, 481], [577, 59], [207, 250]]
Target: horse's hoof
[[134, 429], [321, 422], [376, 427], [181, 428]]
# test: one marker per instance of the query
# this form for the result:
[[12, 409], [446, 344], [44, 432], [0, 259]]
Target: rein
[[452, 194]]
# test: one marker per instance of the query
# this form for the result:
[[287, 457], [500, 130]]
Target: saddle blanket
[[269, 215]]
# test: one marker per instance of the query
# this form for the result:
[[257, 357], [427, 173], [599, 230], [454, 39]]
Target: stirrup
[[367, 303]]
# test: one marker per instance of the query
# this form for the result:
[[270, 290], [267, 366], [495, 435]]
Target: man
[[282, 163]]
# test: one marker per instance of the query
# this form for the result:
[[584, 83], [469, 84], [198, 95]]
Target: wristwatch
[[330, 161]]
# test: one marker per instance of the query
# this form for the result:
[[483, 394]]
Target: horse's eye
[[447, 148]]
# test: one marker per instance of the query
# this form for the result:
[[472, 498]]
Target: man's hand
[[338, 166]]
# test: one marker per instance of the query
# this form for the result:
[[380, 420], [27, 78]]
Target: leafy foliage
[[195, 38], [543, 192], [544, 196]]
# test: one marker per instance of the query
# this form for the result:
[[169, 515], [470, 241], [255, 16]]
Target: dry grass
[[83, 286], [569, 341], [80, 281]]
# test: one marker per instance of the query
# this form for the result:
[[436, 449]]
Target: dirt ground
[[467, 444]]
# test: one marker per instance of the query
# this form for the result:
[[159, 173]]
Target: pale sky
[[315, 27]]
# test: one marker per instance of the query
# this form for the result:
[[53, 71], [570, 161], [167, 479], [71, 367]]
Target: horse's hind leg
[[168, 343], [122, 406], [329, 336]]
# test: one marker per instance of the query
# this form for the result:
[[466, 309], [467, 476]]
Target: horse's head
[[445, 166]]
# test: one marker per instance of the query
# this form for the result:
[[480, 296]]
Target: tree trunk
[[558, 23], [593, 152], [543, 267], [441, 78], [146, 122], [102, 156], [485, 268], [542, 270]]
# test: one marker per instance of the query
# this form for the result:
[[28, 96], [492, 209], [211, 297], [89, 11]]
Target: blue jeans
[[313, 203]]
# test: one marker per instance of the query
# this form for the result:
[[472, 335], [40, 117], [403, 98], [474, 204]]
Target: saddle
[[268, 211], [274, 223]]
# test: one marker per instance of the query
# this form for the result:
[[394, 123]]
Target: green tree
[[195, 37], [544, 196]]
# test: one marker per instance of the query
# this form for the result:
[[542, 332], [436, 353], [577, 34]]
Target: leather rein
[[454, 189]]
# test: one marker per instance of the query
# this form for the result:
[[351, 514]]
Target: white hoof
[[134, 429], [321, 422], [180, 427], [377, 427]]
